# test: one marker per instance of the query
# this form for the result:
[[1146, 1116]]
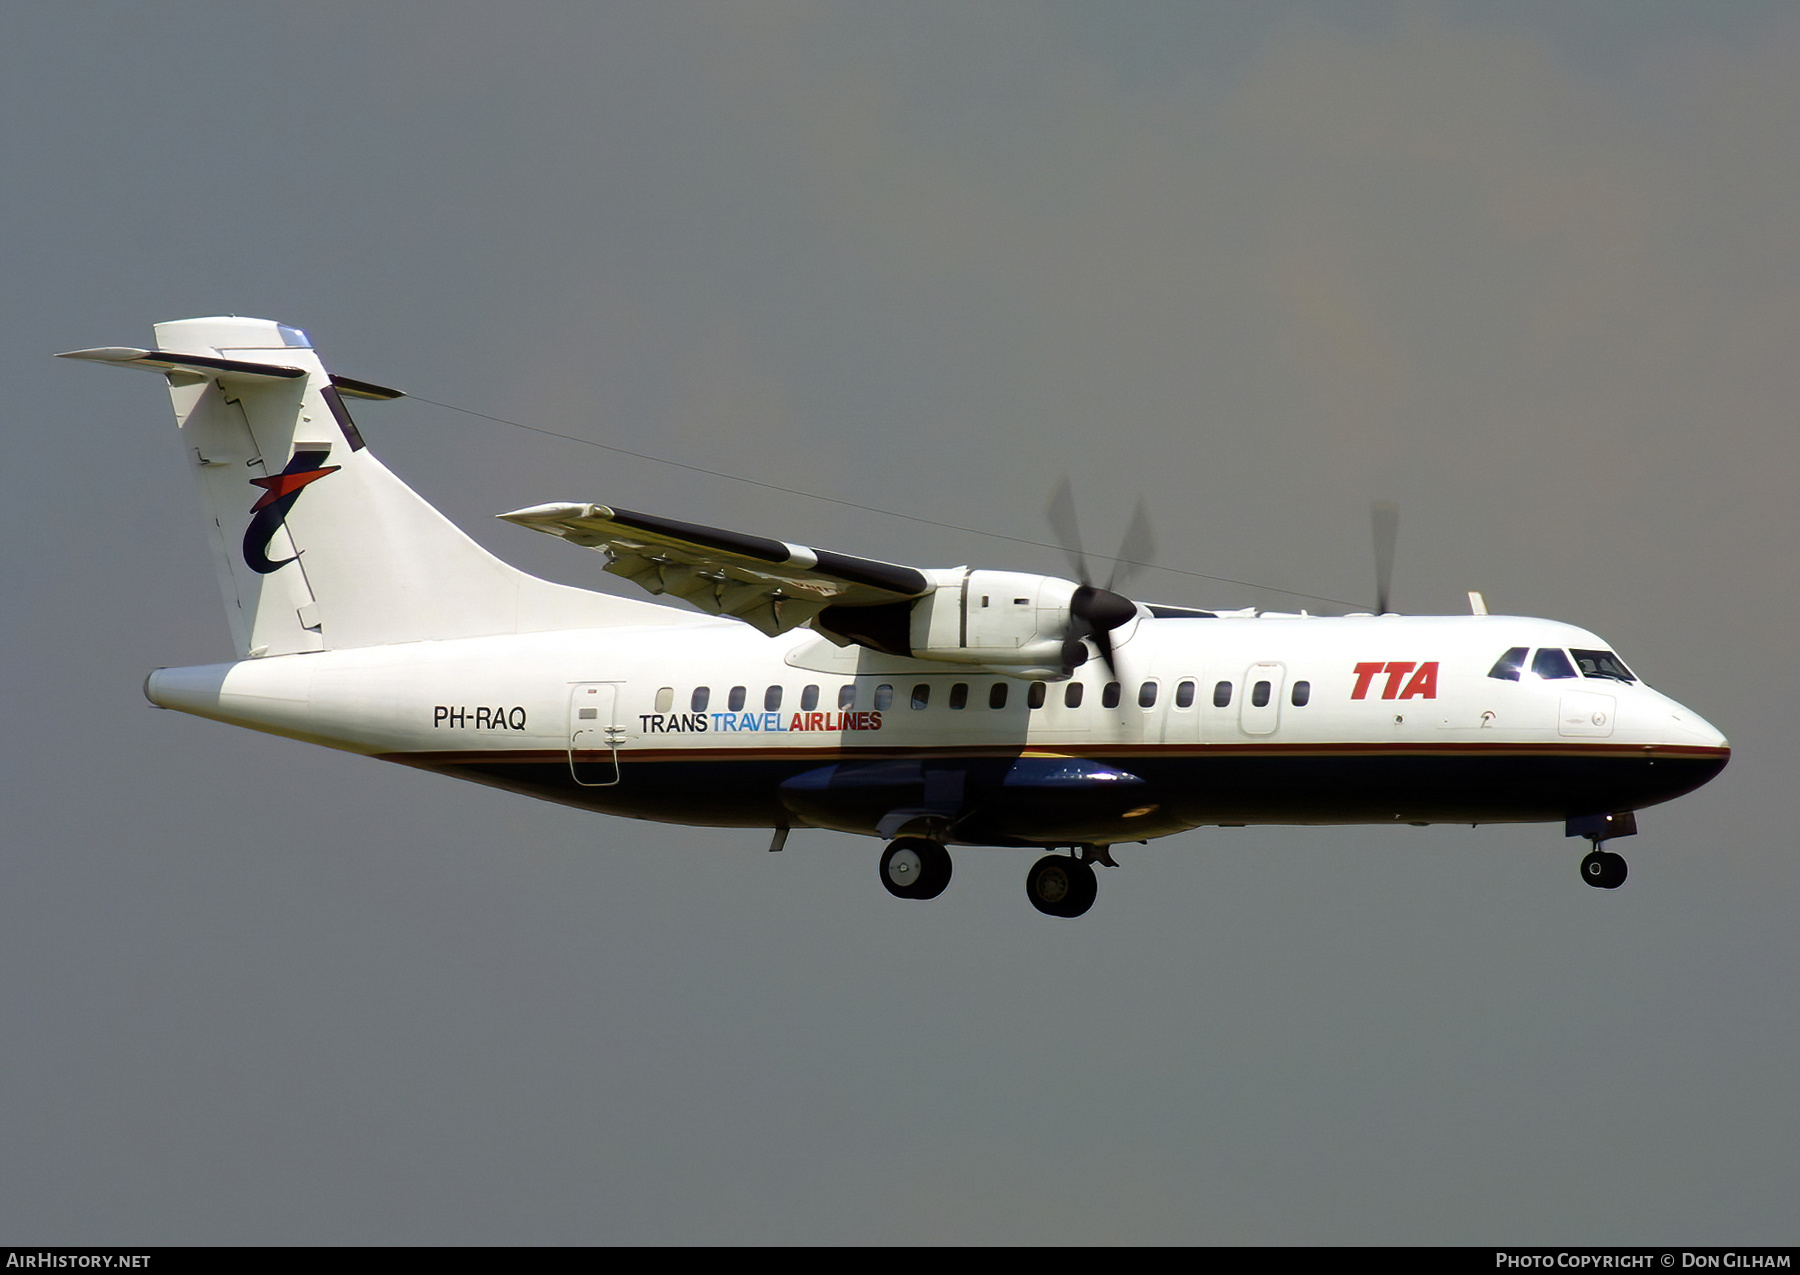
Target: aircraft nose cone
[[1680, 769], [1691, 728]]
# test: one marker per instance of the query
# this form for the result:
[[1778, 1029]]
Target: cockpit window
[[1507, 667], [1552, 663], [1602, 664]]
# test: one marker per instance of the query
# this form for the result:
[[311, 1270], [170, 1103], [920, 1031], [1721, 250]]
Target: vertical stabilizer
[[315, 543]]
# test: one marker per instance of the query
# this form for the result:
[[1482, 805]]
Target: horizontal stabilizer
[[201, 366], [770, 584], [207, 368]]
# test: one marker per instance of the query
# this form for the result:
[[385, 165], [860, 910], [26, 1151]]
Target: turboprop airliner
[[928, 708]]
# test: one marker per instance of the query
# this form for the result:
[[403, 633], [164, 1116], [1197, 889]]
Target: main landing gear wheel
[[914, 868], [1061, 885], [1604, 870]]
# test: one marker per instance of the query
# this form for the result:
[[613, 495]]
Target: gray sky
[[1528, 270]]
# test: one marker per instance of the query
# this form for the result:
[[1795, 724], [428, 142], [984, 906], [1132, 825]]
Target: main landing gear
[[1061, 885], [1057, 885], [914, 868]]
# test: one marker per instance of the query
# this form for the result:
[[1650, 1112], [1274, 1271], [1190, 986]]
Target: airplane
[[928, 708]]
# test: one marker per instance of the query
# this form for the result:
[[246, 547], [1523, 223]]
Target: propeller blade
[[1137, 549], [1385, 517], [1067, 530], [1103, 640], [1094, 612]]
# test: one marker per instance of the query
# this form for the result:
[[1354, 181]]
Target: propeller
[[1385, 518], [1098, 609]]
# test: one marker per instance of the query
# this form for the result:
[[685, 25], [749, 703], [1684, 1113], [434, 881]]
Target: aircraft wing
[[770, 584]]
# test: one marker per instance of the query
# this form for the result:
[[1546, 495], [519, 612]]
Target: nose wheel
[[1603, 870], [914, 868], [1061, 885]]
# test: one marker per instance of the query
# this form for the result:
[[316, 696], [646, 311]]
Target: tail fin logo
[[280, 491]]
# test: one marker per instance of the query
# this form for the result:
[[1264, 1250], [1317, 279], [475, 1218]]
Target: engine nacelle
[[1009, 621]]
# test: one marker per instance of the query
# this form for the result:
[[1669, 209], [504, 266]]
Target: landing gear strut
[[914, 868], [1061, 885]]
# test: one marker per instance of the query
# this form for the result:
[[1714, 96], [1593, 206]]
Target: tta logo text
[[1422, 685]]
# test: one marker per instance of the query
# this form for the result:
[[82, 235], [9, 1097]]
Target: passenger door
[[594, 734]]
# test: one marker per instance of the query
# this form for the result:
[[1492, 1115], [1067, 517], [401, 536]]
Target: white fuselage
[[1277, 719]]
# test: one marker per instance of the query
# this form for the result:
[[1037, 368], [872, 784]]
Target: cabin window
[[665, 698], [1506, 668], [1184, 695], [1302, 693], [997, 695], [1551, 663], [1602, 664], [1109, 697], [1072, 695], [1147, 695], [735, 701], [1222, 695], [847, 695], [1259, 695], [809, 699], [771, 699], [702, 696], [959, 695], [884, 697], [921, 695], [1034, 695]]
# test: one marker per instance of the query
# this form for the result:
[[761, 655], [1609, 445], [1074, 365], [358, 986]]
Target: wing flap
[[769, 584]]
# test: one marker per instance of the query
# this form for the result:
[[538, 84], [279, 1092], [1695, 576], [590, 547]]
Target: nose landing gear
[[1603, 869], [1600, 868]]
